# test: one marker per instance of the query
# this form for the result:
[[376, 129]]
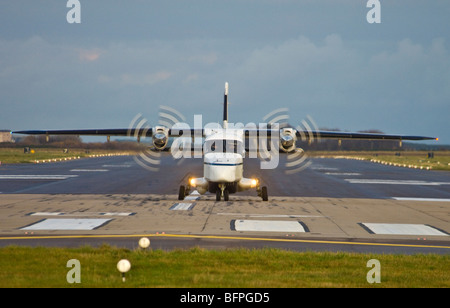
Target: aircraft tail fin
[[225, 106]]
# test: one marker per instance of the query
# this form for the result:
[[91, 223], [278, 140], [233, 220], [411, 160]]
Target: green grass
[[440, 162], [409, 159], [17, 156], [200, 268]]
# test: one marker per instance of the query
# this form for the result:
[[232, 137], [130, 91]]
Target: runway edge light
[[144, 242], [123, 266]]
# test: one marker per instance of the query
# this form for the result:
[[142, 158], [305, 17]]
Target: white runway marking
[[267, 226], [186, 206], [422, 199], [402, 229], [36, 177], [82, 214], [46, 214], [182, 206], [193, 196], [89, 170], [316, 167], [67, 224], [269, 215], [342, 173], [116, 214], [395, 182]]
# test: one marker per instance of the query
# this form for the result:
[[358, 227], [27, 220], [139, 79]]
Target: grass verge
[[200, 268], [17, 156], [407, 159]]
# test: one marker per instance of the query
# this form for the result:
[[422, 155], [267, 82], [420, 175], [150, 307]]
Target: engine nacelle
[[160, 137], [288, 139]]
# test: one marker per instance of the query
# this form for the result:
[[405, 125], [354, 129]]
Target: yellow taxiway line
[[220, 238]]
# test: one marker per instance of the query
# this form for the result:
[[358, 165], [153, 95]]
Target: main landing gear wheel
[[264, 195], [181, 193]]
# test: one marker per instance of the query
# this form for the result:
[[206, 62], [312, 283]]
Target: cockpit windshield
[[223, 146]]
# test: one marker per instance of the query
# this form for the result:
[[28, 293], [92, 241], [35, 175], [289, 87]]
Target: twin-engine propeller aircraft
[[224, 149]]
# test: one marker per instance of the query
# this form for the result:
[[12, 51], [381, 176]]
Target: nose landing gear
[[222, 192]]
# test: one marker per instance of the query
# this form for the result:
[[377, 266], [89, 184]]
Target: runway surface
[[333, 205]]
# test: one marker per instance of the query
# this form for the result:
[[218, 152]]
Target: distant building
[[5, 136]]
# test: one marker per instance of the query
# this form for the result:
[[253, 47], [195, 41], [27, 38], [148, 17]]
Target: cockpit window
[[223, 146]]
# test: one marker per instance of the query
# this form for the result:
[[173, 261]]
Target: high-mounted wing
[[130, 132], [288, 135], [160, 134], [87, 132], [348, 135], [148, 132]]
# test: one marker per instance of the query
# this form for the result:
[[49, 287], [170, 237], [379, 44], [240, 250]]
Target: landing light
[[254, 182], [192, 182]]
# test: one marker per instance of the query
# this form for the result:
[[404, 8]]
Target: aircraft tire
[[226, 195], [181, 192], [264, 195], [218, 194]]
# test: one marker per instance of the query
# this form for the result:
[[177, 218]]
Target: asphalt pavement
[[332, 205]]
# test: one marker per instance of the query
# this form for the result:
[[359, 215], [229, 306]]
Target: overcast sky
[[316, 57]]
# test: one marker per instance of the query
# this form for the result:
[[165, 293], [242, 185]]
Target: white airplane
[[223, 165], [224, 149]]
